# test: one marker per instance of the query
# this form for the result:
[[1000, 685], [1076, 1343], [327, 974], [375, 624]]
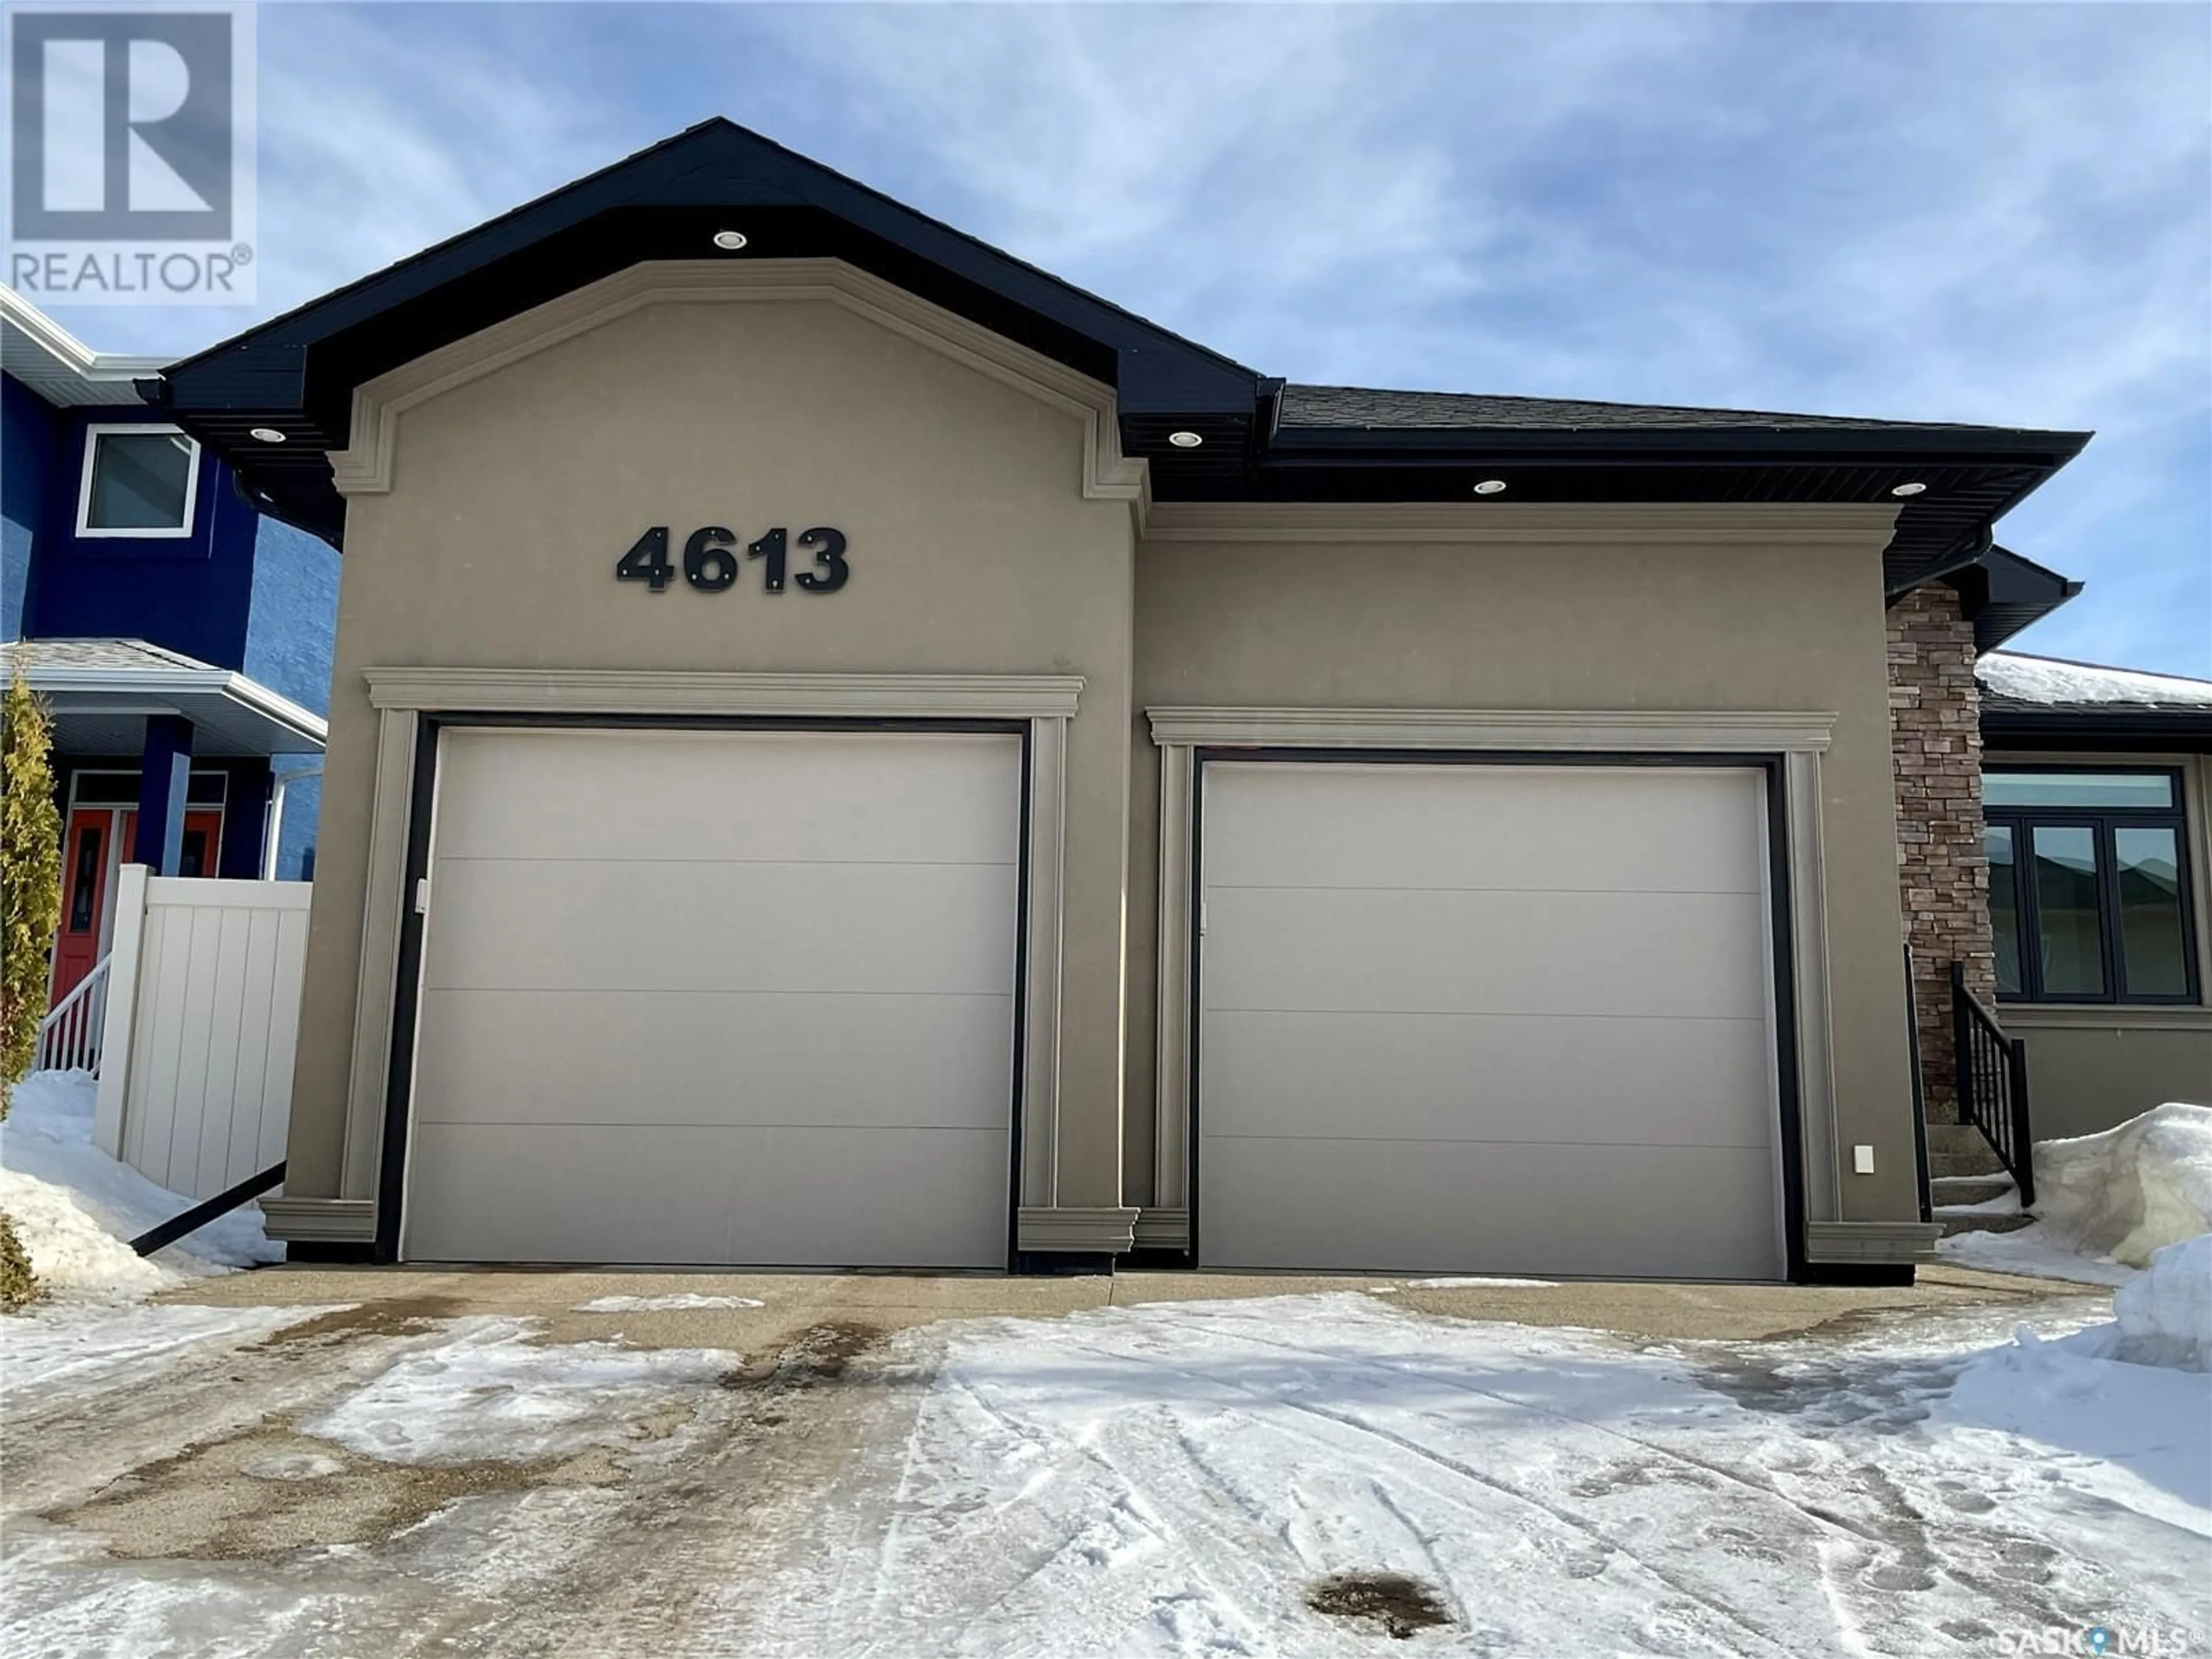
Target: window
[[140, 481], [2089, 885]]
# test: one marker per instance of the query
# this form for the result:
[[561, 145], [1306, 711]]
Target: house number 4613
[[712, 560]]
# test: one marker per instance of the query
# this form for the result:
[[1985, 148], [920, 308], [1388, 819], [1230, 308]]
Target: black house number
[[712, 561]]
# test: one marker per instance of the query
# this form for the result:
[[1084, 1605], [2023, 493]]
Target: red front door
[[98, 839]]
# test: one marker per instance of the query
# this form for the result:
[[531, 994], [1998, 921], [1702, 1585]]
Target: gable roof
[[1260, 440]]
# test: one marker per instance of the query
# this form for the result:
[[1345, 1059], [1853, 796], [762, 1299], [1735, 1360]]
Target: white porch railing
[[70, 1035], [202, 1011]]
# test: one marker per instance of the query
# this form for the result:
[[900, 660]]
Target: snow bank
[[2033, 1252], [2140, 1436], [2048, 679], [2130, 1190], [2166, 1315], [76, 1208]]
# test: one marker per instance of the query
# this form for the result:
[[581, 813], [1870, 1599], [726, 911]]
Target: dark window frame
[[2100, 822]]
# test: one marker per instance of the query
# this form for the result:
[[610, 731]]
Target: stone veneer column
[[1943, 876]]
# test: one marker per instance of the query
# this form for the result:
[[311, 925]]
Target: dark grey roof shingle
[[1344, 406]]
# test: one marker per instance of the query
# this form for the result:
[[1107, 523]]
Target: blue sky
[[1991, 213]]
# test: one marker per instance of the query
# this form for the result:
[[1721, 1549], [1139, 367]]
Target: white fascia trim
[[1637, 730], [70, 355], [167, 684], [281, 709], [92, 435]]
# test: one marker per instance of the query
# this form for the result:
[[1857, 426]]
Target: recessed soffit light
[[267, 434], [730, 241], [1908, 490], [1185, 440], [1490, 487]]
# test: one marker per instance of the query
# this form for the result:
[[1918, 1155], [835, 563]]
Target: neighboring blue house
[[181, 638]]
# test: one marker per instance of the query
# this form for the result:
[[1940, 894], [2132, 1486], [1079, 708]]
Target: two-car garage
[[748, 997]]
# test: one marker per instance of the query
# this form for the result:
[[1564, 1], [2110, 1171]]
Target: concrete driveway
[[345, 1461]]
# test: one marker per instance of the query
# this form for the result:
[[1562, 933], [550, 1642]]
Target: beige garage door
[[1486, 1020], [718, 996]]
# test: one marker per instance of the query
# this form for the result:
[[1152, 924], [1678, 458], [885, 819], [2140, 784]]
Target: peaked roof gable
[[1258, 439]]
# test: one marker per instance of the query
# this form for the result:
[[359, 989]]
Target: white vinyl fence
[[202, 1011]]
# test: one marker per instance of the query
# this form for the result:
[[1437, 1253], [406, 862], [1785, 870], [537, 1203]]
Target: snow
[[491, 1391], [677, 1303], [83, 1344], [2138, 1437], [76, 1208], [2050, 680], [1174, 1478], [2129, 1190], [2033, 1252], [2165, 1315]]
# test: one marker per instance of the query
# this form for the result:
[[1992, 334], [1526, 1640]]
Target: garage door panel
[[817, 796], [718, 997], [528, 1193], [786, 1197], [1485, 1018], [1508, 1078], [1403, 1206], [504, 924], [1285, 825], [643, 1058], [1484, 952]]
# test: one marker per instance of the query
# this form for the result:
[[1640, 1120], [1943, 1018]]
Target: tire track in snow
[[1137, 1501], [1565, 1517], [1870, 1546]]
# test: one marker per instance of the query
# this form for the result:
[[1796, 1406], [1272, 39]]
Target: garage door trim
[[1786, 747], [415, 704]]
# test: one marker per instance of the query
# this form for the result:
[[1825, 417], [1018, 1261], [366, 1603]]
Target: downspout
[[1978, 549]]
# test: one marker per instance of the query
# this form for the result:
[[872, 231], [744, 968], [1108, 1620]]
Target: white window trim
[[92, 435]]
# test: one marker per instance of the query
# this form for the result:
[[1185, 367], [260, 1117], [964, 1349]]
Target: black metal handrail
[[200, 1214], [1992, 1076], [1919, 1091]]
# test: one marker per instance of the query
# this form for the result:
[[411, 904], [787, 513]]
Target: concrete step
[[1943, 1166], [1955, 1138], [1952, 1191], [1982, 1222]]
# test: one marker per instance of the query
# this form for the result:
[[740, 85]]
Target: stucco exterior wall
[[1757, 608], [974, 550]]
